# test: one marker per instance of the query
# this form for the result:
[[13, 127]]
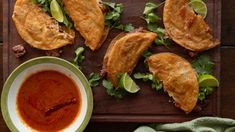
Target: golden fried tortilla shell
[[178, 77], [186, 28], [88, 19], [38, 29], [124, 53]]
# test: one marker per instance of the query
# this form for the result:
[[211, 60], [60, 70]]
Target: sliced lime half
[[56, 11], [207, 80], [199, 7], [128, 84]]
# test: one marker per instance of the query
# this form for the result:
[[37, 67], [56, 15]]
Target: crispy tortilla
[[38, 29], [186, 28], [124, 52], [178, 77], [88, 19]]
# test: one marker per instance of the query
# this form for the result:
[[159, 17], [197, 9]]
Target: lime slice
[[56, 11], [128, 84], [199, 7], [207, 80]]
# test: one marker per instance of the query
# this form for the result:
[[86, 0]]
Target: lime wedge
[[56, 11], [128, 84], [207, 80], [199, 7]]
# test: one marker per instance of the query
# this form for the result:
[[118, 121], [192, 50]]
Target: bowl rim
[[40, 60]]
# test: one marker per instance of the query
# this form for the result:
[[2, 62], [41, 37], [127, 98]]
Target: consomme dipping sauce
[[48, 101]]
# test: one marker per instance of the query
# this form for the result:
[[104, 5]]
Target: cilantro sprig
[[204, 91], [46, 8], [113, 17], [156, 84], [146, 54], [203, 65], [117, 93], [94, 79], [151, 19], [79, 57]]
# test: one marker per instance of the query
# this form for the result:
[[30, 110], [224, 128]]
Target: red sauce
[[48, 101]]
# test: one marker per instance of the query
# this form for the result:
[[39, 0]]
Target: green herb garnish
[[150, 7], [113, 17], [47, 8], [146, 54], [94, 79], [126, 28], [151, 19], [79, 57], [203, 65], [117, 93], [129, 27], [156, 84], [204, 91]]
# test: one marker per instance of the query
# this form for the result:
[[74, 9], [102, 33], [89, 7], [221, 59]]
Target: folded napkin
[[203, 124]]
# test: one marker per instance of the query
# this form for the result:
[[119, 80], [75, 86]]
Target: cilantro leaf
[[120, 26], [144, 77], [107, 84], [39, 1], [150, 7], [204, 91], [151, 19], [156, 84], [152, 27], [201, 96], [67, 20], [128, 28], [35, 1], [161, 40], [203, 65], [146, 54], [94, 79], [113, 17], [119, 8], [79, 57], [156, 29], [117, 93]]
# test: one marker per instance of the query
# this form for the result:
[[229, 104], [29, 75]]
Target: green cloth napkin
[[203, 124]]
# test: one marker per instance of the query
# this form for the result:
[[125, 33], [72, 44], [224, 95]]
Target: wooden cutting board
[[147, 105]]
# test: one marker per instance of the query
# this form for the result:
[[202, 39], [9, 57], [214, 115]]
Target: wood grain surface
[[227, 81], [227, 95], [227, 76], [147, 105], [1, 21], [228, 17]]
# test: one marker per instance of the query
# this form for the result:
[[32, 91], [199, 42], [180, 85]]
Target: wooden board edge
[[218, 11], [142, 118], [5, 5], [108, 118], [219, 17], [218, 90]]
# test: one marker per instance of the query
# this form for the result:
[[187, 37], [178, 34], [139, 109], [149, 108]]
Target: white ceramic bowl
[[16, 78]]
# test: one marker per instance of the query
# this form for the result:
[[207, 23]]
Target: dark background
[[227, 73]]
